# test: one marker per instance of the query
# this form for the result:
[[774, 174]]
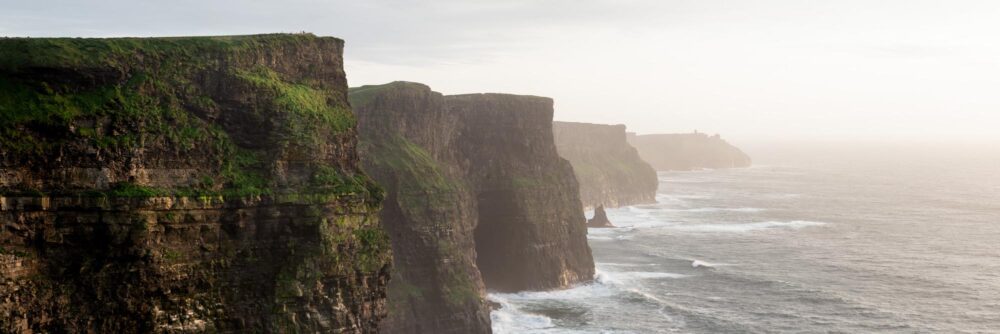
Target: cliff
[[532, 234], [688, 151], [608, 169], [202, 184], [429, 213], [473, 185]]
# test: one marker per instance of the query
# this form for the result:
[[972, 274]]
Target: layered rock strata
[[202, 184], [609, 170]]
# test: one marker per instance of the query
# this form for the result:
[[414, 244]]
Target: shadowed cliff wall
[[531, 233], [474, 184], [430, 210], [202, 184]]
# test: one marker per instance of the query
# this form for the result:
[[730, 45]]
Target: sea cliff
[[476, 198], [609, 170], [196, 184]]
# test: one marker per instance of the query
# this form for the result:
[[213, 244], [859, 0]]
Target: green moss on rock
[[184, 96]]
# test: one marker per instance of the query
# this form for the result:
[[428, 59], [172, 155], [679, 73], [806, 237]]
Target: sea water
[[872, 240]]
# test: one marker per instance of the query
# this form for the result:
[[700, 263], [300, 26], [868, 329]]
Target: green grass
[[113, 52], [134, 190], [416, 169], [373, 243], [309, 109], [123, 94], [360, 96]]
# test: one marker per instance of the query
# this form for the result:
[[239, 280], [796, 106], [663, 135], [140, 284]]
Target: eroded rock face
[[205, 184], [688, 151], [608, 169], [474, 184]]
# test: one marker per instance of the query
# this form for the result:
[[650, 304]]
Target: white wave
[[592, 236], [744, 227], [702, 264], [623, 282], [509, 319], [650, 223], [605, 284], [679, 198], [615, 264], [649, 275], [625, 279], [714, 209], [604, 233]]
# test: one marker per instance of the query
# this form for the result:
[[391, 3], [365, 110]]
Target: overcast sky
[[746, 69]]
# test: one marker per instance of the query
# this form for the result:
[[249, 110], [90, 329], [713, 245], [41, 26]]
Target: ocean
[[829, 239]]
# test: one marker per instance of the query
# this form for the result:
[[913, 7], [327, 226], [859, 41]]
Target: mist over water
[[853, 238]]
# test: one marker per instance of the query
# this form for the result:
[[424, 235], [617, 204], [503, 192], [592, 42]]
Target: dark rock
[[202, 184], [609, 170], [493, 305], [688, 151], [600, 218]]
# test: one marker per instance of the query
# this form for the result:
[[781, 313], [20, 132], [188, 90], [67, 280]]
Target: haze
[[746, 69]]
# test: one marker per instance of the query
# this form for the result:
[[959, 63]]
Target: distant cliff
[[688, 151], [609, 170], [203, 184], [474, 184]]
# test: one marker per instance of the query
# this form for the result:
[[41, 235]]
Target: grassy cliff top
[[20, 52], [361, 96], [231, 111]]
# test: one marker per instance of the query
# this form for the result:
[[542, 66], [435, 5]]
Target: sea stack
[[600, 219], [688, 151], [609, 170], [191, 184]]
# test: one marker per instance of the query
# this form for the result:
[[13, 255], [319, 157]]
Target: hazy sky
[[746, 69]]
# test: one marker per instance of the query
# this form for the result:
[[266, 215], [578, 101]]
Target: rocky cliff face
[[184, 185], [608, 169], [531, 234], [430, 210], [473, 184], [688, 151]]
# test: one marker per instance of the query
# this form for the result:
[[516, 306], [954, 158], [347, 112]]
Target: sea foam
[[509, 319], [714, 209], [744, 227]]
